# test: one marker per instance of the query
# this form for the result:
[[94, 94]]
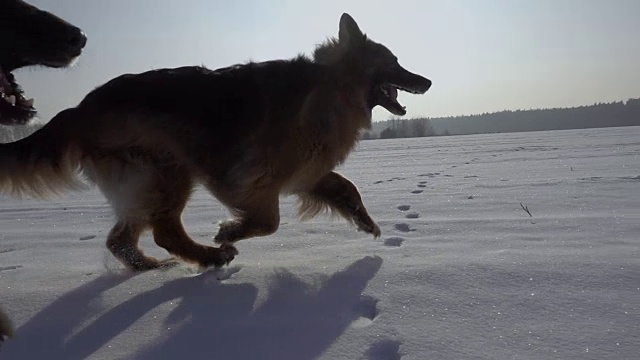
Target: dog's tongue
[[391, 103], [393, 92]]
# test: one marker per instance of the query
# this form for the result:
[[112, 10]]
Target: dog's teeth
[[27, 102], [11, 99]]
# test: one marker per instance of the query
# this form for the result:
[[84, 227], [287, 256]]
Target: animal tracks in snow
[[388, 348], [431, 175], [226, 273], [7, 268], [409, 215], [367, 309], [412, 215], [389, 180], [220, 274], [394, 241], [403, 227], [385, 349]]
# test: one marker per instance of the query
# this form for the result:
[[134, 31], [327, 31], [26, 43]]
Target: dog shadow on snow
[[294, 320]]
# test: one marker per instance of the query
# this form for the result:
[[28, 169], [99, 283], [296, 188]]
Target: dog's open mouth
[[386, 95], [14, 105]]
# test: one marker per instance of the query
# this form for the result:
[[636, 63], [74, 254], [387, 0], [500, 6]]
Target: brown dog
[[248, 133]]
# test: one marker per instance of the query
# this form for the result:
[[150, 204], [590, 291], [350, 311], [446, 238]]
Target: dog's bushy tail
[[45, 163]]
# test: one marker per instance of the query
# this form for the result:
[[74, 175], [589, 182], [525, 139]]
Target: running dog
[[248, 133], [30, 37]]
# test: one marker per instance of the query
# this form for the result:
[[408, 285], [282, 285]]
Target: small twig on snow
[[526, 209]]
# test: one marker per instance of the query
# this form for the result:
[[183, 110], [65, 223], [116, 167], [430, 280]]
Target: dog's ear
[[349, 33]]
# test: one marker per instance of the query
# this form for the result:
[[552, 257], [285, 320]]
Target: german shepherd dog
[[30, 36], [248, 133]]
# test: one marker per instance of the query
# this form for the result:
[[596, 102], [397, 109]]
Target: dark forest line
[[598, 115]]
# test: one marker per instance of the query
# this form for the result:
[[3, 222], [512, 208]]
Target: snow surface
[[460, 272]]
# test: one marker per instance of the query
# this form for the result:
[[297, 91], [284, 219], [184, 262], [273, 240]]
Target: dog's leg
[[169, 233], [123, 244], [341, 195], [6, 327], [257, 214], [142, 190]]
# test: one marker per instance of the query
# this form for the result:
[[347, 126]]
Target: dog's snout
[[77, 38], [427, 84]]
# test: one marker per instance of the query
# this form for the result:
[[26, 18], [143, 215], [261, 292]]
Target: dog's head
[[31, 36], [374, 63]]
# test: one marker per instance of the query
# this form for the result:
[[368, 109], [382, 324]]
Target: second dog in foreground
[[248, 133], [30, 37]]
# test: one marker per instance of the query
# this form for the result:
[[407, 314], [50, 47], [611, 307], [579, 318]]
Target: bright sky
[[482, 55]]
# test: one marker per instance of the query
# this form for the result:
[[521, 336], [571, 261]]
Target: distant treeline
[[593, 116]]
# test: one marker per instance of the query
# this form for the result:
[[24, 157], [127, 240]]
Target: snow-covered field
[[461, 270]]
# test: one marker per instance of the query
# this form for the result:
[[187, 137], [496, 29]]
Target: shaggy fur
[[249, 133], [30, 36]]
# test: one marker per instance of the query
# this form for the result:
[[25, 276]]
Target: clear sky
[[482, 55]]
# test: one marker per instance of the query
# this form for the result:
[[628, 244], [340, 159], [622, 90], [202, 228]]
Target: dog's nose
[[427, 85], [77, 39]]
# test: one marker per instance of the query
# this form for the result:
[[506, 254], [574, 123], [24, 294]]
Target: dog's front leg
[[341, 195], [258, 214]]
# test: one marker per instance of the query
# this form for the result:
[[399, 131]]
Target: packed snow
[[497, 246]]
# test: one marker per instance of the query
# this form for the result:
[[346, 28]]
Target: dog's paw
[[227, 232], [168, 263], [369, 227], [217, 257], [375, 231], [227, 253]]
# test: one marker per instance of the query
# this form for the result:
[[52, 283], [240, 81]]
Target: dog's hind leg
[[169, 198], [341, 195], [169, 233], [135, 191], [123, 244], [145, 192]]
